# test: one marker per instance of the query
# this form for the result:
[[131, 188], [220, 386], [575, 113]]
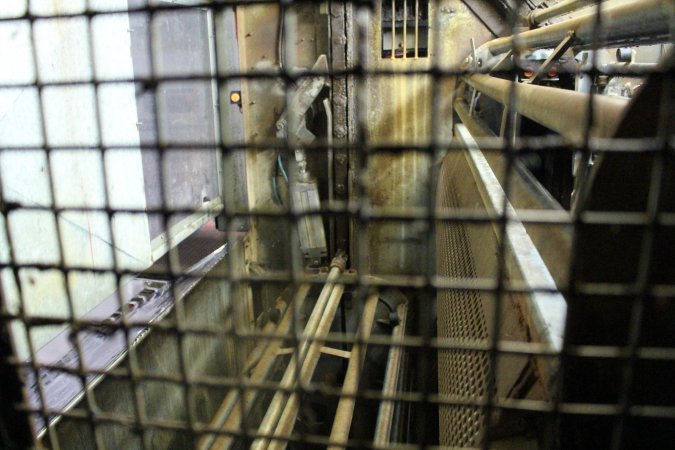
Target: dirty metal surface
[[263, 101], [415, 110], [146, 299], [343, 133], [466, 253], [206, 302]]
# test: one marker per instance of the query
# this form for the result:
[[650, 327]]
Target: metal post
[[393, 29], [405, 29], [417, 29]]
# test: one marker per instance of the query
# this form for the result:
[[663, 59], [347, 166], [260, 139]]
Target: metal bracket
[[325, 350], [560, 50], [505, 63], [292, 122]]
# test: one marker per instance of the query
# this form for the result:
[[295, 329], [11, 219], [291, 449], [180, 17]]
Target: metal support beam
[[545, 310]]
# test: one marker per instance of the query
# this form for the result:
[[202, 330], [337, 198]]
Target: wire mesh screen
[[342, 224]]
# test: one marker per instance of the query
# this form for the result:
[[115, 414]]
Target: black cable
[[280, 43], [275, 187], [280, 39], [385, 303]]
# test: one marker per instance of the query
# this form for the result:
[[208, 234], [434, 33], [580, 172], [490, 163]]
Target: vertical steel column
[[340, 60]]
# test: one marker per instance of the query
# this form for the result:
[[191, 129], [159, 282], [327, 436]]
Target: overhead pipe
[[345, 409], [539, 16], [560, 110], [622, 22]]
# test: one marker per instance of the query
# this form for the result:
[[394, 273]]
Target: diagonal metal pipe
[[228, 416], [284, 415], [345, 409], [308, 352]]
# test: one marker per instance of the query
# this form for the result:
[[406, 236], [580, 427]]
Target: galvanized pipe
[[345, 409], [386, 411], [560, 110], [622, 22], [286, 422], [323, 305], [228, 416], [539, 16]]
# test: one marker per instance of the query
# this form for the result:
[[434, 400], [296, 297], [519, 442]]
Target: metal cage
[[342, 224]]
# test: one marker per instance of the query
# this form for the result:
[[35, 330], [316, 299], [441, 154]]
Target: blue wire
[[281, 167]]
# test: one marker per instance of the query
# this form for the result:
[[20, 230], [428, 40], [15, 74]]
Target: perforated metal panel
[[462, 316]]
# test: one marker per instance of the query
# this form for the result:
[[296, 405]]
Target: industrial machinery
[[337, 224]]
